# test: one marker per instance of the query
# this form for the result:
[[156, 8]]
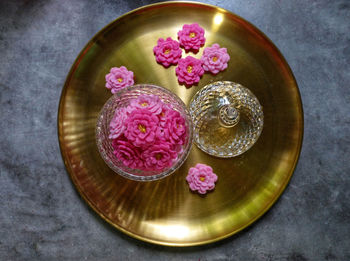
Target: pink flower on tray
[[167, 51], [141, 127], [119, 78], [117, 124], [201, 178], [215, 59], [127, 153], [191, 37], [150, 102], [158, 156], [175, 128], [189, 70]]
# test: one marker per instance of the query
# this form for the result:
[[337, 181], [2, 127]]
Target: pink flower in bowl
[[118, 124], [163, 115], [159, 156], [201, 178], [119, 78], [127, 153], [189, 70], [167, 51], [175, 128], [191, 37], [141, 127], [149, 102], [215, 59]]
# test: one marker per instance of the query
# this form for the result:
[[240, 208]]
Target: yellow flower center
[[192, 35], [142, 128], [144, 104], [202, 178], [162, 114], [120, 79], [189, 69], [159, 156], [215, 59], [166, 51]]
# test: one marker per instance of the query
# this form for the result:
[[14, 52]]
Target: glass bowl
[[122, 99], [227, 117]]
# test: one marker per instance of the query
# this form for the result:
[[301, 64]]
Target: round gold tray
[[166, 212]]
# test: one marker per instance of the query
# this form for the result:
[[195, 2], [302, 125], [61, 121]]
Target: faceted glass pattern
[[227, 117]]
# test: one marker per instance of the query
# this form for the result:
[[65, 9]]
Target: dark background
[[42, 216]]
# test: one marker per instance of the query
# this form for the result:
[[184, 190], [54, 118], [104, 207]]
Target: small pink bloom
[[150, 102], [189, 70], [158, 156], [141, 127], [167, 51], [215, 59], [117, 124], [175, 128], [164, 114], [119, 78], [191, 37], [127, 153], [201, 178]]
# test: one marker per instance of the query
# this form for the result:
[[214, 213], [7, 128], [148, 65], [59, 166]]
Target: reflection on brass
[[165, 211]]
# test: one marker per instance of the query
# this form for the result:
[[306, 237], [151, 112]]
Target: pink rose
[[141, 127], [117, 124], [175, 128], [150, 102], [127, 153], [119, 78], [158, 156], [189, 70], [215, 59], [191, 37], [167, 51], [201, 178]]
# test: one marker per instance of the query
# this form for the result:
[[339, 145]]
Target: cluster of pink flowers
[[190, 69], [148, 134]]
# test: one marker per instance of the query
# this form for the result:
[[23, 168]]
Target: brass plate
[[165, 212]]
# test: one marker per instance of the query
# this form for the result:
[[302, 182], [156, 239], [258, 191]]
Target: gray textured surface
[[43, 218]]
